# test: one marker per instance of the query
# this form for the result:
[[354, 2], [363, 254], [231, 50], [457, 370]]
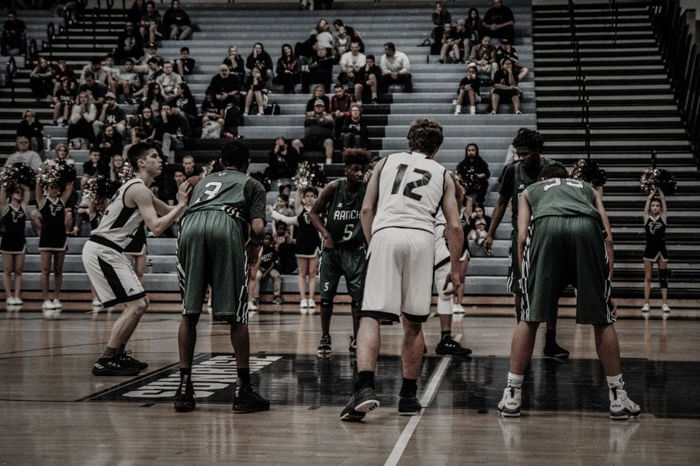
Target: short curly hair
[[531, 139], [356, 156], [425, 136]]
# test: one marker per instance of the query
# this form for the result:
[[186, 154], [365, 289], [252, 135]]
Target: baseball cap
[[319, 102], [110, 95]]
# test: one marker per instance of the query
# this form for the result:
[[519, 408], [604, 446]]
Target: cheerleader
[[136, 251], [308, 245], [52, 241], [655, 221], [13, 209]]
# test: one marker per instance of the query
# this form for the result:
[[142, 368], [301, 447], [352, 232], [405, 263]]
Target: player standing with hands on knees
[[398, 220], [110, 271]]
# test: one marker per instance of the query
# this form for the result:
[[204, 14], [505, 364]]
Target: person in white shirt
[[24, 155], [168, 81], [396, 68], [350, 63]]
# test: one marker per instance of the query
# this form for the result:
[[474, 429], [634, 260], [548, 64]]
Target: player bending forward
[[564, 238], [226, 208], [398, 220], [110, 272]]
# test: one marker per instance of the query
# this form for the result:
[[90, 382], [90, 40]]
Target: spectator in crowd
[[95, 165], [137, 10], [287, 70], [319, 93], [284, 240], [189, 167], [469, 88], [341, 43], [354, 132], [185, 101], [153, 98], [212, 116], [320, 70], [340, 103], [235, 62], [41, 80], [110, 142], [396, 69], [111, 114], [350, 64], [440, 17], [449, 43], [151, 53], [282, 207], [137, 136], [226, 87], [478, 226], [83, 114], [484, 56], [185, 65], [461, 39], [255, 91], [147, 123], [130, 82], [173, 128], [473, 163], [168, 80], [367, 81], [505, 87], [116, 164], [31, 128], [176, 22], [95, 68], [112, 72], [96, 90], [506, 50], [14, 35], [318, 132], [267, 266], [283, 161], [129, 44], [324, 38], [63, 101], [498, 22], [24, 154], [61, 72], [355, 36], [261, 60], [151, 23], [474, 30]]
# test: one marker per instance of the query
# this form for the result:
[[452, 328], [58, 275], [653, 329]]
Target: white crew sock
[[514, 380], [472, 109], [458, 109], [615, 381]]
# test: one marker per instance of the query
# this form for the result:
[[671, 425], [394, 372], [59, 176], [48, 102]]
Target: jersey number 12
[[410, 187]]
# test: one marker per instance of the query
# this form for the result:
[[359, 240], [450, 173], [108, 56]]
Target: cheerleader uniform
[[13, 240], [655, 230], [137, 246], [53, 226], [308, 242]]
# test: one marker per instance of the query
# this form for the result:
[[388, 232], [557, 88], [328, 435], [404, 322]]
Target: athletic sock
[[515, 380], [615, 381], [110, 353], [445, 333], [122, 349], [409, 387], [458, 108], [551, 334], [364, 379], [186, 371], [244, 376], [374, 95]]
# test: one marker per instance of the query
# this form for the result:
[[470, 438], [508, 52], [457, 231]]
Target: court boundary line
[[428, 396]]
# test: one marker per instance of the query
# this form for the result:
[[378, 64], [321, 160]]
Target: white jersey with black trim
[[410, 192], [119, 222]]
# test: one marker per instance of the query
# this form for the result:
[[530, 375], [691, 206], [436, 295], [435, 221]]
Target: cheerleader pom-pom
[[590, 172], [264, 180], [467, 180], [49, 174], [66, 172], [304, 176], [97, 187], [654, 178], [212, 167], [125, 173]]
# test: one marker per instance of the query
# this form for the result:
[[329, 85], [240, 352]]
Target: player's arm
[[39, 194], [647, 206], [255, 197], [26, 194], [161, 207], [524, 214], [498, 211], [319, 207], [369, 203], [143, 198], [608, 230], [65, 195], [454, 232], [664, 209], [283, 218]]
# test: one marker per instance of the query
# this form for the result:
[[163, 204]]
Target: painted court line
[[425, 401]]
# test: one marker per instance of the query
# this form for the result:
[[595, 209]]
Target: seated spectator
[[367, 81], [505, 87], [256, 91], [235, 63], [469, 88], [41, 80], [154, 70], [478, 226], [24, 154], [185, 65], [185, 101], [440, 17], [354, 132], [137, 136], [461, 37], [284, 241], [62, 153], [283, 160], [226, 87], [506, 50], [261, 60], [96, 90], [189, 167], [129, 44], [484, 56], [94, 68], [473, 162], [83, 114], [318, 132], [111, 114], [176, 22], [172, 129], [473, 29], [150, 25], [152, 99], [350, 64], [142, 67], [267, 266], [320, 71], [148, 124], [63, 101], [341, 44], [211, 109], [94, 166], [130, 82], [355, 36], [137, 10], [396, 69], [168, 80], [61, 72], [31, 128], [324, 38], [110, 142], [14, 35], [116, 165], [319, 93], [449, 43], [498, 22], [282, 207], [287, 70], [340, 103]]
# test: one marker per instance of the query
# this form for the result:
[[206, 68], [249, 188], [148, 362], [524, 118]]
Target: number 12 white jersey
[[410, 192]]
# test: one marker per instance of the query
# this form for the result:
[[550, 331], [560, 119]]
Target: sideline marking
[[426, 399]]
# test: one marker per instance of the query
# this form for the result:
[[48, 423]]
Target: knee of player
[[411, 327], [139, 306]]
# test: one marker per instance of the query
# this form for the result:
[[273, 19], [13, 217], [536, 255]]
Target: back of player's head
[[553, 171], [235, 154], [425, 136], [355, 157], [137, 152], [530, 139]]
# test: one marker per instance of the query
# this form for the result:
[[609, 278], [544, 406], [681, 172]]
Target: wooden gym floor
[[54, 411]]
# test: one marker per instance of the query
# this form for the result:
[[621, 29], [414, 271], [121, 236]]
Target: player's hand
[[183, 193], [613, 305], [451, 284], [328, 242], [488, 242]]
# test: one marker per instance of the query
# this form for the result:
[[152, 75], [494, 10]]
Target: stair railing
[[94, 27], [614, 18], [66, 26], [11, 70], [110, 4], [50, 37]]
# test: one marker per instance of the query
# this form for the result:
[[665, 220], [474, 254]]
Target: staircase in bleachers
[[632, 112]]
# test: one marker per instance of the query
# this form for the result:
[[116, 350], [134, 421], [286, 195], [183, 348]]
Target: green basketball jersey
[[562, 197], [343, 215], [521, 181]]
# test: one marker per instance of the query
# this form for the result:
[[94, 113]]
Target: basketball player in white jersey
[[110, 271], [398, 220]]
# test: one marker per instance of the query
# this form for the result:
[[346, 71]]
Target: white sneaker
[[57, 304], [645, 308], [311, 303], [48, 313], [18, 301], [665, 308], [209, 308], [9, 302], [48, 305], [304, 303], [458, 309], [252, 306], [509, 406], [621, 407], [96, 302]]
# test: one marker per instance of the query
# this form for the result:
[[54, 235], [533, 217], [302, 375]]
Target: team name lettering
[[341, 215]]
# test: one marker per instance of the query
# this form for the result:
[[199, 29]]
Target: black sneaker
[[113, 366], [324, 347], [361, 402], [353, 345], [553, 350], [247, 401], [409, 406], [184, 400], [448, 346], [132, 362]]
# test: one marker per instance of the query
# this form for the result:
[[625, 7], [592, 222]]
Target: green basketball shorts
[[348, 262]]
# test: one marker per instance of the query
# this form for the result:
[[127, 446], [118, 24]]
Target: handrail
[[66, 26], [94, 27], [11, 71], [50, 36], [110, 4]]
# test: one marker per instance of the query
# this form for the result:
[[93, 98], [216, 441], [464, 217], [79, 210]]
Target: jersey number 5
[[410, 187], [210, 191]]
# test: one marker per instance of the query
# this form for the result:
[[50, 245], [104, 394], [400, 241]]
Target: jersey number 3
[[211, 189], [410, 187]]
